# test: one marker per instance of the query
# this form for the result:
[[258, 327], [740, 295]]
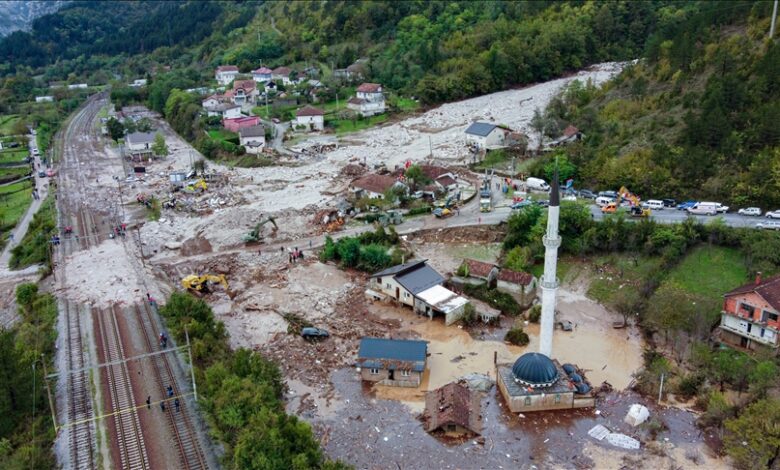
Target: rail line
[[132, 450], [190, 453]]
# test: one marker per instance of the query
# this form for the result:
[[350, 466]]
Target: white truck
[[537, 184], [704, 208]]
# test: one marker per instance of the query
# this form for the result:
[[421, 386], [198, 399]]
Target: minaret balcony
[[551, 242], [548, 285]]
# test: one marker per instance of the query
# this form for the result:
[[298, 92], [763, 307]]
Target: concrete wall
[[383, 377], [389, 286], [543, 402]]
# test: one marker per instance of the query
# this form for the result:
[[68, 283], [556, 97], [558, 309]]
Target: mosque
[[536, 381]]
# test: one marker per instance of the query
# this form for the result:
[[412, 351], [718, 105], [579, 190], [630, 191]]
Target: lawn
[[7, 123], [501, 159], [619, 271], [13, 205], [710, 272], [13, 156], [563, 272], [34, 247], [344, 126], [224, 135], [13, 173], [487, 252], [407, 105]]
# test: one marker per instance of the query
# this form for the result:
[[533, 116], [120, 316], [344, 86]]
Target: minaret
[[549, 282]]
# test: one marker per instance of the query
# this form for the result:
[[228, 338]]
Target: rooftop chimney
[[758, 278]]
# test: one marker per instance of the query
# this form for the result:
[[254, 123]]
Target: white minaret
[[549, 282]]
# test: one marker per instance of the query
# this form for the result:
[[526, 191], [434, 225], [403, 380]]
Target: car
[[685, 205], [276, 120], [49, 172], [521, 204], [609, 194], [669, 202], [417, 195], [722, 209], [587, 194], [769, 225], [542, 202], [311, 332], [752, 211], [773, 214], [41, 174]]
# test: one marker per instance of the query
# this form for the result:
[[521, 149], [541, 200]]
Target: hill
[[19, 15]]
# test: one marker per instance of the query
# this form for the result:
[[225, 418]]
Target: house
[[516, 282], [139, 144], [226, 74], [283, 74], [447, 183], [537, 383], [262, 75], [453, 409], [417, 285], [252, 138], [570, 134], [374, 186], [236, 124], [245, 92], [310, 118], [138, 83], [224, 110], [394, 362], [212, 101], [44, 99], [480, 271], [749, 318], [78, 86], [484, 135], [368, 100]]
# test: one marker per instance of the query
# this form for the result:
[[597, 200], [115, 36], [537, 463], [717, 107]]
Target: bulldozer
[[201, 284], [255, 236], [196, 187], [637, 211]]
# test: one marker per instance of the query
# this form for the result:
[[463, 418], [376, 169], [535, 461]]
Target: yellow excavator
[[201, 284], [196, 187]]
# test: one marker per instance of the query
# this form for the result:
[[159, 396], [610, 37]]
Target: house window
[[748, 309], [557, 398], [374, 371], [387, 286], [405, 373], [527, 401], [767, 316]]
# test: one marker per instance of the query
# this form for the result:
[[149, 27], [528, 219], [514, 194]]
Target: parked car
[[537, 184], [602, 201], [654, 204], [753, 211], [275, 120], [570, 197], [669, 202], [773, 214], [311, 332], [41, 174], [521, 204], [587, 194], [769, 225], [721, 208], [543, 202], [610, 194], [704, 208], [685, 205], [49, 172], [417, 195]]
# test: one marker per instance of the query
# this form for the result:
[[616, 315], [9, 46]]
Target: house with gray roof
[[485, 135], [395, 362], [139, 144]]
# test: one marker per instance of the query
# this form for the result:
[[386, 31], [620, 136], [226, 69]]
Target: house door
[[749, 327], [743, 342], [391, 374], [397, 293]]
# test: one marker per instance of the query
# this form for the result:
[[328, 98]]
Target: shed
[[439, 299]]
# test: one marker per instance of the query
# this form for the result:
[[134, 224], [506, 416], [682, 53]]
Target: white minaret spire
[[549, 282]]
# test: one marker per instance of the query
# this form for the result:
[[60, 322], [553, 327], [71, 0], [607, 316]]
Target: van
[[704, 208], [537, 184], [654, 204], [602, 201]]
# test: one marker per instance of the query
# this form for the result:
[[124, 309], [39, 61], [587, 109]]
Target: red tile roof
[[375, 183], [479, 268], [247, 85], [227, 68], [768, 289], [369, 88], [263, 70], [284, 71], [310, 111], [515, 277], [570, 131], [453, 404], [446, 181]]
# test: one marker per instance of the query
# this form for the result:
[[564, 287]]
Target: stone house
[[226, 74], [252, 138], [394, 362], [245, 92], [453, 409], [311, 118], [749, 318], [283, 74]]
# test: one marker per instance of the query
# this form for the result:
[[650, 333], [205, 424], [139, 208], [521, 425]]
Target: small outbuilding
[[480, 270], [485, 135], [394, 362], [453, 409]]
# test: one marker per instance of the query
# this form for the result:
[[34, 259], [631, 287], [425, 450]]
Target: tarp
[[637, 415], [598, 432], [622, 441]]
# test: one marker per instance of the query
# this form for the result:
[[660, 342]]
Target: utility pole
[[774, 22], [192, 365], [661, 389], [430, 144]]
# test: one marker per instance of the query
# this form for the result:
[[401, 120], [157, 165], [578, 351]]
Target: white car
[[754, 211], [769, 225], [722, 209], [773, 214]]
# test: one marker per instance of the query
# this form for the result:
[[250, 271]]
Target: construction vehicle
[[202, 284], [637, 211], [391, 217], [198, 186], [485, 198], [627, 195], [610, 208], [255, 235], [442, 213]]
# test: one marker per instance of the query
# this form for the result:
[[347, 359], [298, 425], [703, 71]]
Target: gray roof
[[140, 138], [480, 128], [379, 352], [398, 268], [415, 276], [254, 131], [223, 107]]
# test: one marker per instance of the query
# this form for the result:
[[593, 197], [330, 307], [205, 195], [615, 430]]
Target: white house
[[212, 101], [374, 186], [44, 99], [368, 100], [252, 138], [139, 143], [283, 74], [226, 74], [484, 135], [313, 119], [245, 91], [262, 75], [77, 86], [224, 110], [138, 83]]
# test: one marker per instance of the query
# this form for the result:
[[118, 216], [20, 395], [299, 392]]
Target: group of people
[[163, 340], [169, 392], [294, 255]]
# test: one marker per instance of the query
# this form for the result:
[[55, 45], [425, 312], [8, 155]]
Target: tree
[[566, 169], [159, 147], [116, 130], [415, 177], [753, 438], [762, 378], [519, 258]]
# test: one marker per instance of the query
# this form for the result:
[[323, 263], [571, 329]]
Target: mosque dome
[[535, 370]]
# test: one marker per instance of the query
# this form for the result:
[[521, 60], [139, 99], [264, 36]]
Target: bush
[[517, 336], [535, 314], [419, 210], [498, 300], [519, 258], [690, 385], [470, 316]]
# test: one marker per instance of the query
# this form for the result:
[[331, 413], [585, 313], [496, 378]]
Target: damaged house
[[395, 362], [453, 409]]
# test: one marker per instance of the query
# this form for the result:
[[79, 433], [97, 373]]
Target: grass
[[407, 105], [710, 271], [223, 135], [563, 271], [13, 156], [619, 271], [487, 252], [7, 123], [248, 161], [34, 247], [13, 173], [344, 126], [501, 159], [13, 205]]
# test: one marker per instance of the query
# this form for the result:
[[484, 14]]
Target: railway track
[[179, 422], [132, 450]]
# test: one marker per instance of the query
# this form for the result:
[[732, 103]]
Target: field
[[710, 272], [619, 271], [14, 201], [343, 126], [223, 135], [10, 156], [7, 124]]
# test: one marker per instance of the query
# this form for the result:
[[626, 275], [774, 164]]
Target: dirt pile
[[470, 234]]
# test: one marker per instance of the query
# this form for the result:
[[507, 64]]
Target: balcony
[[754, 334]]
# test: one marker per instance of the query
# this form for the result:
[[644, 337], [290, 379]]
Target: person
[[300, 254], [170, 391], [149, 297], [310, 244], [162, 406], [149, 402], [176, 404], [282, 249]]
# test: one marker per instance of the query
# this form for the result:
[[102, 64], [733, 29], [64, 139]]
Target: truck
[[485, 198], [537, 184]]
